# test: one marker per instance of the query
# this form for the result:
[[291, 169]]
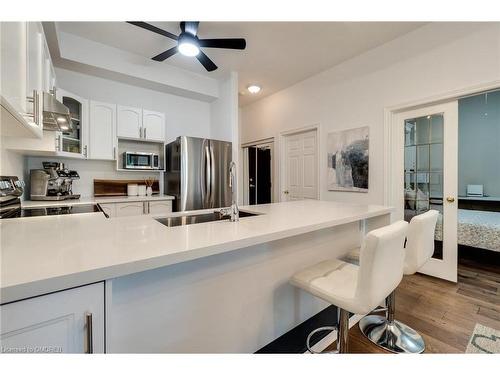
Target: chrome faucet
[[233, 212]]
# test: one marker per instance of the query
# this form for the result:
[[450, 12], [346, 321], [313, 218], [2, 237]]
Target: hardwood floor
[[444, 313]]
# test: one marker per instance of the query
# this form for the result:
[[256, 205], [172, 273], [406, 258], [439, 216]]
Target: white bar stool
[[357, 289], [387, 332]]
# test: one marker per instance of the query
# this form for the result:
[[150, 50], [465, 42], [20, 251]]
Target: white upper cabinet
[[129, 122], [70, 321], [35, 64], [138, 123], [13, 64], [75, 141], [49, 75], [154, 125], [102, 131]]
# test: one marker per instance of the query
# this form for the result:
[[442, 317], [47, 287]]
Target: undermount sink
[[176, 221]]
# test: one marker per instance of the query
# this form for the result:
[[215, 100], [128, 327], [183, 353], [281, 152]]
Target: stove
[[11, 189]]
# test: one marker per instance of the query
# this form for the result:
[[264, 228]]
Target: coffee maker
[[53, 183]]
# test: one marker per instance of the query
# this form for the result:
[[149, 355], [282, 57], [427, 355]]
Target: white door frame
[[282, 157], [391, 141]]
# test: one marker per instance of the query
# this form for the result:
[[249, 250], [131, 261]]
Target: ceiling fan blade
[[190, 27], [206, 62], [154, 29], [165, 55], [230, 43]]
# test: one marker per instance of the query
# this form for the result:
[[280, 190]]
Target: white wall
[[432, 60], [11, 163], [222, 111], [479, 143], [224, 119]]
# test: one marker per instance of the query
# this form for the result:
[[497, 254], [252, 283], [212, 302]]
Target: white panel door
[[102, 131], [424, 174], [154, 125], [301, 166], [129, 122], [55, 323]]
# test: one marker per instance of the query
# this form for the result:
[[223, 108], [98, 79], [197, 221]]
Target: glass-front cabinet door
[[74, 140], [427, 140]]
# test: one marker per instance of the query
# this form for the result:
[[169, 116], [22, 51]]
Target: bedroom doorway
[[424, 176]]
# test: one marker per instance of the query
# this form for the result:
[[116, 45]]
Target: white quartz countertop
[[93, 200], [45, 254]]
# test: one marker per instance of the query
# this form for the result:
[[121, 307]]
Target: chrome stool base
[[394, 336]]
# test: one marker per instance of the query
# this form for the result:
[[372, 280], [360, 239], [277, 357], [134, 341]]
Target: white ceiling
[[278, 54]]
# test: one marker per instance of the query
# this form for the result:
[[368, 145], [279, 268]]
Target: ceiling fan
[[189, 44]]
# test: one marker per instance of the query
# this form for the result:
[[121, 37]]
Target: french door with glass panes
[[424, 177]]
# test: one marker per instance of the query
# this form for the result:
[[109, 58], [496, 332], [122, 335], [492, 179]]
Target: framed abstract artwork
[[348, 156]]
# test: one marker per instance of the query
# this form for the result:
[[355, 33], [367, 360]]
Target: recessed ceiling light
[[253, 89]]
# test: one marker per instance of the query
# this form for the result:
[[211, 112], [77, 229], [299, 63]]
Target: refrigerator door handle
[[206, 189], [212, 177], [203, 173]]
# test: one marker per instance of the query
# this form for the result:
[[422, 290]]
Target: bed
[[476, 229]]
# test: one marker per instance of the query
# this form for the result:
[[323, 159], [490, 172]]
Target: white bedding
[[476, 229]]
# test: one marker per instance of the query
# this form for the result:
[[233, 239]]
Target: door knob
[[285, 192], [450, 199]]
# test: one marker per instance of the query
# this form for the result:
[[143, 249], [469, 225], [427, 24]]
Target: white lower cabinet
[[160, 207], [70, 321], [163, 207], [129, 209]]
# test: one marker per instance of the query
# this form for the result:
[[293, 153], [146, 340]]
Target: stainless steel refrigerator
[[197, 173]]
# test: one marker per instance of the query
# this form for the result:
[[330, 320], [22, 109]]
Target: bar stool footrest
[[320, 329]]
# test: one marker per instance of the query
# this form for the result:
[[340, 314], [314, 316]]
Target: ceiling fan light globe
[[188, 46], [188, 49]]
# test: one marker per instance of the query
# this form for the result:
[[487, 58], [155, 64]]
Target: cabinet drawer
[[160, 207], [55, 323], [129, 209]]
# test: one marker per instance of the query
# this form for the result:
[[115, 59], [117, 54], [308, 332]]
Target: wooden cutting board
[[107, 188]]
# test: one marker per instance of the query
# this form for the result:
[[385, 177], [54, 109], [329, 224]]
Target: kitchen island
[[211, 287]]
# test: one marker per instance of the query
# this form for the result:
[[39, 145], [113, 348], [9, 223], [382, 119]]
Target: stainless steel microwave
[[141, 160]]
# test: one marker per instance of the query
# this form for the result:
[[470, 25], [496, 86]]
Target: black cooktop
[[53, 210]]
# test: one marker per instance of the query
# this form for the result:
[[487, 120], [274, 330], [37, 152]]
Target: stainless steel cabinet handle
[[114, 152], [85, 151], [35, 99], [90, 339], [58, 142], [140, 132], [145, 132]]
